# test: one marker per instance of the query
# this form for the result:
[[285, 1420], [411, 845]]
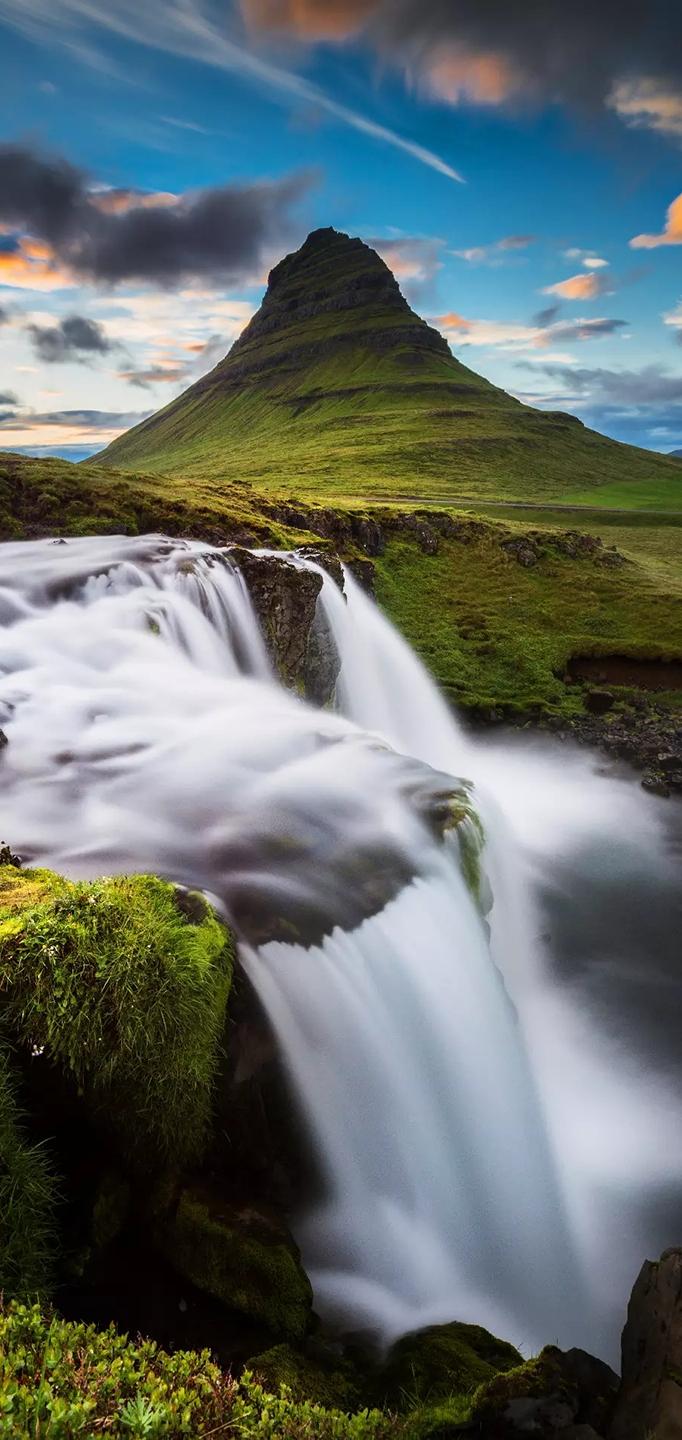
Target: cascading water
[[484, 1146]]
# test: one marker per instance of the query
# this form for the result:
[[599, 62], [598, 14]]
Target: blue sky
[[521, 184]]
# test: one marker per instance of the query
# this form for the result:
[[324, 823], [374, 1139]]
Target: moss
[[534, 1379], [65, 1380], [443, 1362], [28, 1196], [244, 1258], [329, 1379], [114, 984], [445, 1420]]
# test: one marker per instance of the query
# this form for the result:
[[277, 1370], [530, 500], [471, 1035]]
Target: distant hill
[[677, 454], [336, 388]]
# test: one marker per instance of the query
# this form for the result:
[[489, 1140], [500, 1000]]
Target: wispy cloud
[[649, 104], [542, 334], [188, 28], [495, 253]]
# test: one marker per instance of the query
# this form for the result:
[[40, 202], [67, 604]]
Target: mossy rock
[[28, 1195], [442, 1362], [444, 1420], [536, 1395], [122, 990], [243, 1257], [314, 1374]]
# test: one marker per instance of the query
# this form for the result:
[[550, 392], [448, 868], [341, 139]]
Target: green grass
[[28, 1196], [115, 985], [498, 636]]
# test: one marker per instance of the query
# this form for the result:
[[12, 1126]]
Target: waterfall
[[489, 1148]]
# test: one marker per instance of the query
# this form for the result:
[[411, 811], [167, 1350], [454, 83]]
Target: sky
[[519, 167]]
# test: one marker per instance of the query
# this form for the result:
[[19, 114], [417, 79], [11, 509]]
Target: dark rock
[[599, 701], [650, 1399], [522, 550], [656, 784], [550, 1396], [284, 599], [424, 533]]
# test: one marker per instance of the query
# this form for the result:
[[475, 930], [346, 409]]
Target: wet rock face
[[650, 1400], [298, 641]]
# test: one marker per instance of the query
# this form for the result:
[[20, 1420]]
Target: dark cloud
[[4, 315], [7, 397], [546, 317], [652, 385], [85, 419], [73, 338], [171, 374], [575, 51], [223, 233], [586, 329]]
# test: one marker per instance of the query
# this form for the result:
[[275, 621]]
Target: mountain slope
[[337, 388]]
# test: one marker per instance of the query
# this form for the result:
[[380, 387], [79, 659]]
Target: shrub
[[27, 1198], [123, 985], [60, 1380]]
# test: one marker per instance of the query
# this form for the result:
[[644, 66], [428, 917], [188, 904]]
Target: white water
[[477, 1160]]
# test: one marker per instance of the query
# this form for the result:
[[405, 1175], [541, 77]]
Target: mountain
[[337, 388], [676, 453]]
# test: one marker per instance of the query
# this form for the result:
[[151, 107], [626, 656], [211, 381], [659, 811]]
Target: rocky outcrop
[[284, 597], [650, 1401], [558, 1395]]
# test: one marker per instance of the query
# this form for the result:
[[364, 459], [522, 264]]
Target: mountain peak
[[331, 275]]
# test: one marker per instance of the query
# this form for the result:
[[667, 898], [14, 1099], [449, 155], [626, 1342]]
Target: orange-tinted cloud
[[648, 104], [120, 202], [671, 235], [581, 287], [33, 266], [485, 78], [308, 19]]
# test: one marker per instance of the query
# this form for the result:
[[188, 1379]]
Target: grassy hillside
[[336, 389]]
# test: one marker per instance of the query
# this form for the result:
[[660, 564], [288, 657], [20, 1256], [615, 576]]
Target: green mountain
[[336, 388]]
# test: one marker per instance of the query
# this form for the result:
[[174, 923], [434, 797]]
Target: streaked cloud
[[410, 257], [200, 31], [22, 428], [671, 233], [545, 332], [496, 252]]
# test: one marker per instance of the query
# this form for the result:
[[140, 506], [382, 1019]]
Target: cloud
[[73, 338], [307, 19], [651, 385], [52, 428], [674, 318], [586, 257], [198, 30], [169, 372], [493, 254], [543, 333], [496, 53], [671, 235], [581, 287], [647, 103], [7, 397], [410, 257], [222, 232]]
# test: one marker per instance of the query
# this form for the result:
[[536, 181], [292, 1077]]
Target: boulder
[[556, 1394], [441, 1361], [650, 1399], [242, 1255]]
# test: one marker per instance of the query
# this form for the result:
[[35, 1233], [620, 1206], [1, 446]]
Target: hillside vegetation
[[336, 389]]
